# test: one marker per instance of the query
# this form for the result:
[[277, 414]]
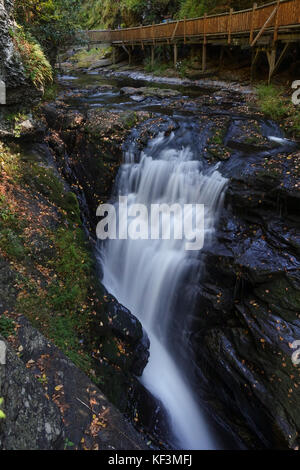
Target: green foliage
[[7, 327], [53, 23], [85, 59], [192, 8], [11, 240], [278, 106], [37, 68], [68, 443], [50, 92], [158, 67], [270, 101], [125, 13], [2, 414]]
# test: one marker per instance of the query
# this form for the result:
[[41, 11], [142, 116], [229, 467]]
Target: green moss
[[60, 310], [7, 326], [48, 183], [50, 92], [129, 120], [11, 239]]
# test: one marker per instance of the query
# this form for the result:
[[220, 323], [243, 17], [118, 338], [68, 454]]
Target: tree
[[52, 22]]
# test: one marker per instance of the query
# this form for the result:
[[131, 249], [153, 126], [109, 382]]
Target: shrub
[[270, 101], [37, 68], [7, 327]]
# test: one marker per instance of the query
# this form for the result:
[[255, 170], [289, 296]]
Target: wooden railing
[[277, 14]]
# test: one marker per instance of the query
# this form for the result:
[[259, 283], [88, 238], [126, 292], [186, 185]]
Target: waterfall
[[145, 275]]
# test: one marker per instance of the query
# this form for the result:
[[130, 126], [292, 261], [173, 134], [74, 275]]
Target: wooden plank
[[174, 32], [204, 28], [252, 22], [264, 26], [271, 55], [230, 25], [275, 36]]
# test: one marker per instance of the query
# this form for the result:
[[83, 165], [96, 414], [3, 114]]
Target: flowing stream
[[146, 275], [158, 280]]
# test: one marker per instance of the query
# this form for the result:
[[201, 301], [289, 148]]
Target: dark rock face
[[32, 422], [11, 67], [88, 151], [248, 306], [129, 329], [68, 417]]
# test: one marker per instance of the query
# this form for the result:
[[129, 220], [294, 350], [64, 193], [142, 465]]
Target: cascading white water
[[144, 275]]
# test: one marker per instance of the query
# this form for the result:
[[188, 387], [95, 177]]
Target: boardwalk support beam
[[273, 64], [271, 55], [128, 51], [175, 55], [255, 55]]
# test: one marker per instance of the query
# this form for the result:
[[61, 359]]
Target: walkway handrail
[[287, 14]]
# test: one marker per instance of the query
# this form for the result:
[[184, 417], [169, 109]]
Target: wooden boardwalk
[[261, 28]]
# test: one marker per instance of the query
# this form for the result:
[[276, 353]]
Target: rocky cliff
[[249, 298], [83, 337], [19, 88]]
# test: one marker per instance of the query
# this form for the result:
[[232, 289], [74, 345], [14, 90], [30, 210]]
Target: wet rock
[[129, 328], [248, 305], [60, 118], [98, 64], [75, 399], [130, 91], [32, 421], [150, 92], [138, 98]]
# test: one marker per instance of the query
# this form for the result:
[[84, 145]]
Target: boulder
[[99, 64]]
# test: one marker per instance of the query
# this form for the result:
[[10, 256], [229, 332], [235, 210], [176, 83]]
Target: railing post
[[153, 33], [229, 25], [184, 30], [252, 22], [142, 43], [276, 23], [204, 44]]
